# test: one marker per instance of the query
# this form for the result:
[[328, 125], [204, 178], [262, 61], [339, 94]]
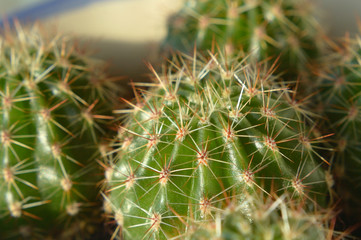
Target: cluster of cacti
[[210, 128], [340, 101], [51, 121], [218, 146], [263, 28]]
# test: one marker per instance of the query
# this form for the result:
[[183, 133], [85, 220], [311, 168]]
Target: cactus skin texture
[[51, 118], [263, 28], [208, 129], [340, 100], [257, 219]]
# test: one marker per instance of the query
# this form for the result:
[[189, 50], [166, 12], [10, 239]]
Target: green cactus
[[256, 219], [208, 129], [53, 98], [264, 29], [340, 101]]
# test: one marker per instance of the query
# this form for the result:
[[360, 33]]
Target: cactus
[[340, 101], [262, 28], [258, 219], [208, 129], [54, 103]]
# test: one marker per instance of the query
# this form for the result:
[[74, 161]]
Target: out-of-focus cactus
[[262, 28], [340, 101], [258, 219]]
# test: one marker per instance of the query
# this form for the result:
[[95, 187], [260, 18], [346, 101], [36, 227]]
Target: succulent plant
[[210, 128], [259, 219], [340, 101], [264, 29], [54, 103]]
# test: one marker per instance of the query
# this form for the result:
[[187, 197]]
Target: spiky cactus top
[[263, 28], [207, 130], [340, 99], [52, 99]]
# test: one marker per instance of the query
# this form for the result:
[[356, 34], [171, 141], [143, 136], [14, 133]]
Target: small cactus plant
[[208, 129], [51, 118], [261, 28]]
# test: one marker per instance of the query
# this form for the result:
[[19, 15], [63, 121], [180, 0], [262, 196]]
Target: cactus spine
[[52, 103], [207, 130]]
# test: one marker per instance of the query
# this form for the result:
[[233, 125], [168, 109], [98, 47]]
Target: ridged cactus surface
[[263, 28], [51, 116], [209, 129]]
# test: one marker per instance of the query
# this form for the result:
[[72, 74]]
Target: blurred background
[[126, 33]]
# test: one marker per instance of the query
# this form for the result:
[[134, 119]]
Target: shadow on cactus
[[208, 129], [55, 102]]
